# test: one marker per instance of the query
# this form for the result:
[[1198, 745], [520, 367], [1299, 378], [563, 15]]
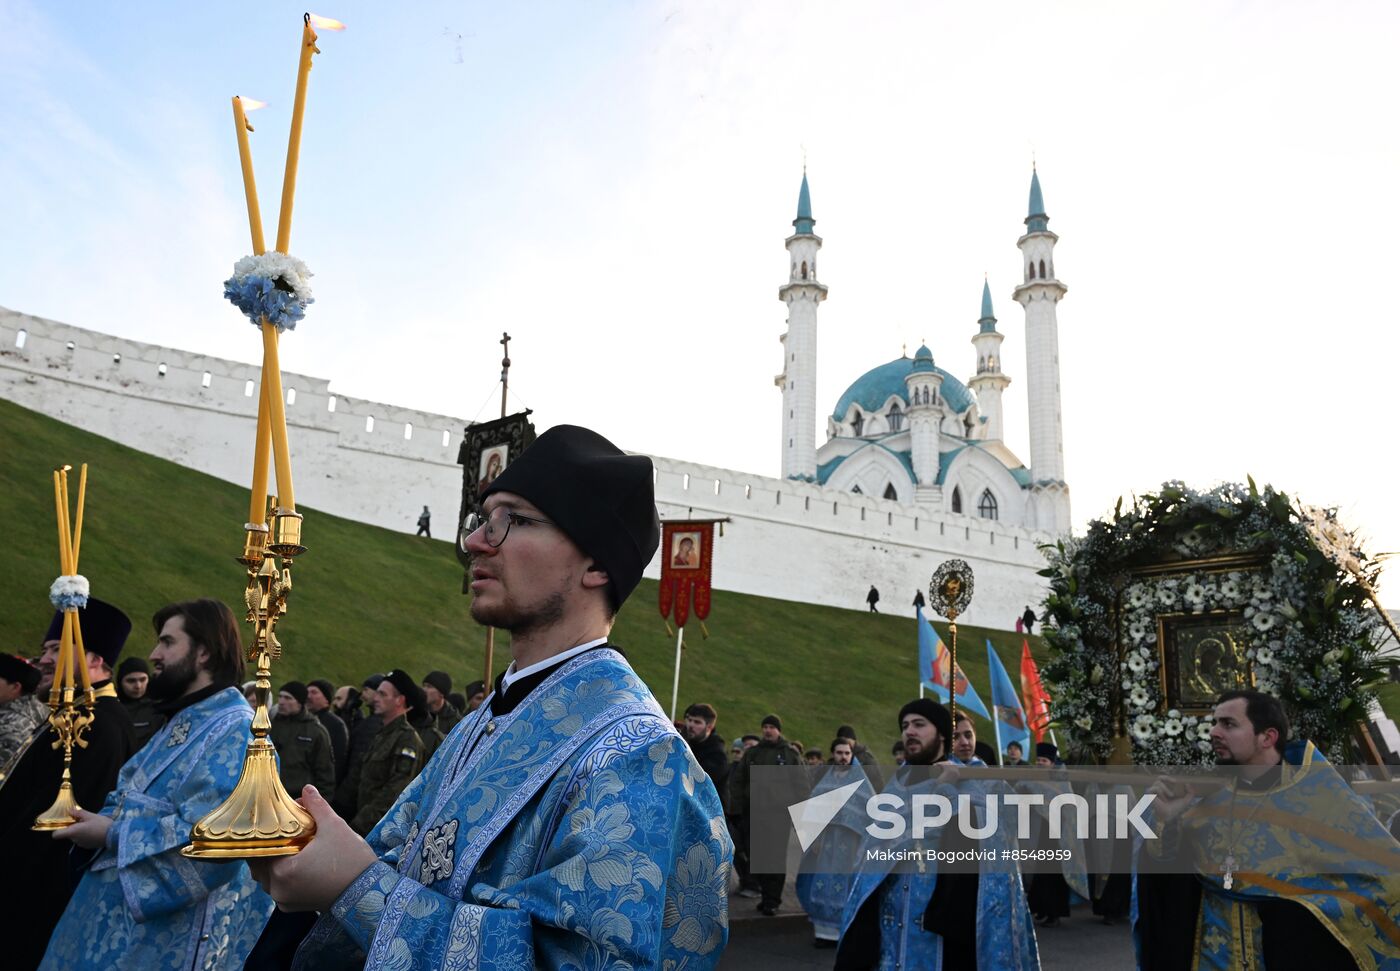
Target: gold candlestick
[[68, 718], [260, 818]]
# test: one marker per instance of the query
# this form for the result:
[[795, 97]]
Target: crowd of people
[[556, 817]]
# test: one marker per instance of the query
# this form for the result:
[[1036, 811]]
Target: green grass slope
[[367, 599]]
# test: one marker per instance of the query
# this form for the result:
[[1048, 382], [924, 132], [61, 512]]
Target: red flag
[[1033, 693]]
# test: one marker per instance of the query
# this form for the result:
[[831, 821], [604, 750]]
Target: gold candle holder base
[[254, 545], [286, 533], [60, 814], [258, 819]]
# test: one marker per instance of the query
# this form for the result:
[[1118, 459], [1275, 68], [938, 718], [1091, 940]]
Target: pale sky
[[612, 183]]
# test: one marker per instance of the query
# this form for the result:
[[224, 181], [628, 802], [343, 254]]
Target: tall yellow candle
[[262, 449], [80, 653], [289, 177], [281, 453], [63, 570], [245, 157], [78, 525], [64, 676]]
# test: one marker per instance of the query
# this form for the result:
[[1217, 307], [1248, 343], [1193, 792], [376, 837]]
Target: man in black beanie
[[304, 754], [935, 914], [436, 687], [32, 784], [133, 677], [320, 694], [565, 821]]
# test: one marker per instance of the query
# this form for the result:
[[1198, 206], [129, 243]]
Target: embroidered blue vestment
[[142, 905], [577, 831]]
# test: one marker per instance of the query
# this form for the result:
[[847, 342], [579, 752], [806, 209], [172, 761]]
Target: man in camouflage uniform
[[21, 712], [395, 755], [303, 746]]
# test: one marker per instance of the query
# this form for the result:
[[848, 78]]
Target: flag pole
[[676, 682]]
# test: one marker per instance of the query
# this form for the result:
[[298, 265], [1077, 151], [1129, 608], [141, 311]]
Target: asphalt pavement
[[784, 943]]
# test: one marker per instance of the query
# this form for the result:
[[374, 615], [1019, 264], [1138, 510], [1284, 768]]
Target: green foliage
[[367, 599]]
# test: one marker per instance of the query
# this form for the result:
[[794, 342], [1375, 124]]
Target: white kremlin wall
[[789, 540]]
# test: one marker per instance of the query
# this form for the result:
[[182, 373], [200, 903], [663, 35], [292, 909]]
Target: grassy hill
[[368, 599]]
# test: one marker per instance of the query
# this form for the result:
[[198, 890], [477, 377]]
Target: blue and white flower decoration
[[69, 591], [273, 286]]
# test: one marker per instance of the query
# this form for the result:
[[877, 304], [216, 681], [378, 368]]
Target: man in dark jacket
[[436, 687], [347, 793], [303, 746], [133, 675], [318, 701], [772, 749], [36, 860], [707, 746], [394, 757]]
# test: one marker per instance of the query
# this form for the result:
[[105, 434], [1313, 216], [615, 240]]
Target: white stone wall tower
[[1040, 293], [798, 379], [989, 381]]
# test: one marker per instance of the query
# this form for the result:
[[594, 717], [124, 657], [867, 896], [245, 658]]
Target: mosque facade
[[910, 430]]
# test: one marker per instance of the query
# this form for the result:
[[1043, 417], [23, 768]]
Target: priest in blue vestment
[[141, 905], [564, 823], [824, 879], [908, 911]]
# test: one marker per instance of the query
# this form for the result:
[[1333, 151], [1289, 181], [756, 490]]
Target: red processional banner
[[686, 549]]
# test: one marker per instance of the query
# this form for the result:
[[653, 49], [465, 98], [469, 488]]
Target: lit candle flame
[[251, 104], [325, 23]]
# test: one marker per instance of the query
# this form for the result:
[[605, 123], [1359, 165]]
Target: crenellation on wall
[[787, 539]]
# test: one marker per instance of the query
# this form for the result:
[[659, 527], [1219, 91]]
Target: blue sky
[[612, 183]]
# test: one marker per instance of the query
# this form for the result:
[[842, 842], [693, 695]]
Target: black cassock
[[41, 870]]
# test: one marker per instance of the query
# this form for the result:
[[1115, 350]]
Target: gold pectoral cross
[[1229, 870]]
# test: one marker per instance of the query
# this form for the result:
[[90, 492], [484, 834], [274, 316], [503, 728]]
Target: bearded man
[[141, 904], [565, 822]]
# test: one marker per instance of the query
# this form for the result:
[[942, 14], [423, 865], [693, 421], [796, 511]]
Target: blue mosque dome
[[873, 388]]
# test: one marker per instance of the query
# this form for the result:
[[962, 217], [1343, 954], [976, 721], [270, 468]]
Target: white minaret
[[923, 385], [798, 379], [989, 382], [1039, 294]]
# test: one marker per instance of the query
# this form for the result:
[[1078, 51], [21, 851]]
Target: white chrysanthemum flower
[[1136, 664], [1203, 731], [1174, 713], [1138, 696], [1137, 630], [1230, 588], [1142, 731], [1138, 595], [1264, 656], [1194, 595], [1172, 727], [1264, 621]]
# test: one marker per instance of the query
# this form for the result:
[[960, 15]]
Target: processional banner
[[686, 550]]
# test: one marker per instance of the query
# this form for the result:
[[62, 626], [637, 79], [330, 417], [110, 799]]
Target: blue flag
[[1010, 716], [934, 669]]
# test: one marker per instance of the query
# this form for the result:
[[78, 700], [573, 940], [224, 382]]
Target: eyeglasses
[[496, 525]]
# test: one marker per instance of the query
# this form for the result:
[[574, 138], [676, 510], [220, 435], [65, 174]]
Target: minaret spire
[[989, 382], [1040, 294], [798, 379]]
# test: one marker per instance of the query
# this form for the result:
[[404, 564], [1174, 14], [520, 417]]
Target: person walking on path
[[424, 518], [872, 598]]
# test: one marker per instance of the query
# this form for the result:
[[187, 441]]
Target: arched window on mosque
[[857, 423], [896, 418], [804, 269], [889, 491], [987, 505], [1030, 271], [957, 499], [1042, 269]]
